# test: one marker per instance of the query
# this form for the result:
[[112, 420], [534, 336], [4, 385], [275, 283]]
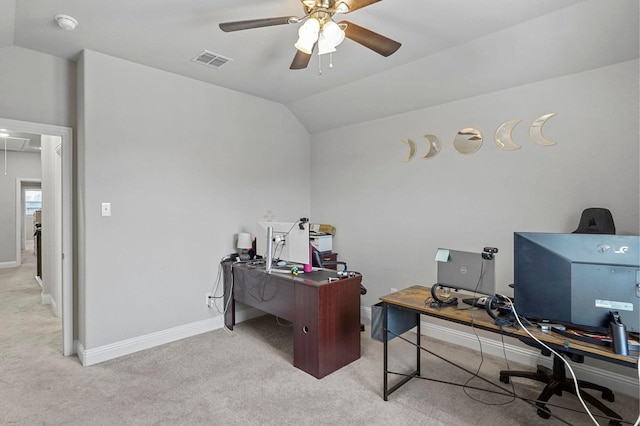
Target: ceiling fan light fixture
[[307, 36], [342, 7], [333, 32], [330, 37], [324, 45]]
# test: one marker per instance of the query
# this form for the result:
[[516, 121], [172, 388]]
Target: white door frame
[[66, 133]]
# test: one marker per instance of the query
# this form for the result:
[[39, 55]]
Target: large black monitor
[[576, 279]]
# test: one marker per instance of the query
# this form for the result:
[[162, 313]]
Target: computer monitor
[[576, 279], [290, 241], [468, 271]]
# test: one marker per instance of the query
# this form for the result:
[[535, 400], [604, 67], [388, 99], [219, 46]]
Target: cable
[[638, 370], [575, 380], [215, 287], [476, 374], [505, 391]]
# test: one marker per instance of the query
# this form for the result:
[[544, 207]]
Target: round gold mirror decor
[[468, 141]]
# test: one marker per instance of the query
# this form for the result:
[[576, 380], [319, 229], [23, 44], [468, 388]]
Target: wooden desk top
[[317, 278], [416, 298]]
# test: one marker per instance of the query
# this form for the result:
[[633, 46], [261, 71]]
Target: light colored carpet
[[241, 378]]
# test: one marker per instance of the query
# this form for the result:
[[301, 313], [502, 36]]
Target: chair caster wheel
[[608, 396], [544, 413], [504, 378]]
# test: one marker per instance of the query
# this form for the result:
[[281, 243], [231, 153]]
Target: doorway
[[63, 239]]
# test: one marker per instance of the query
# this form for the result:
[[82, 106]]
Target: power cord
[[476, 374], [573, 375], [216, 287], [502, 391]]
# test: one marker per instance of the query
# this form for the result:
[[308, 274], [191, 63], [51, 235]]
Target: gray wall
[[19, 165], [194, 164], [37, 87], [164, 149], [392, 216]]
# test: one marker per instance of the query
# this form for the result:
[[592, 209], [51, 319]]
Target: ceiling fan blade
[[256, 23], [374, 41], [300, 61], [357, 4]]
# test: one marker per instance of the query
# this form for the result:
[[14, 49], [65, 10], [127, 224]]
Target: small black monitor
[[576, 279]]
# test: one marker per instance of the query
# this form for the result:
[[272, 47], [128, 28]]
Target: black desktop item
[[577, 279]]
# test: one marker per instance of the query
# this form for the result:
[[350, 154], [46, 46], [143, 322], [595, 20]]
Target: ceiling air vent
[[211, 59]]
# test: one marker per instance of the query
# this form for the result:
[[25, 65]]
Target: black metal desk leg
[[385, 341], [385, 336], [418, 346]]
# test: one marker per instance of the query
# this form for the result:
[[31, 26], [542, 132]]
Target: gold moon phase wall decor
[[504, 138], [468, 141], [412, 150], [434, 146], [535, 130]]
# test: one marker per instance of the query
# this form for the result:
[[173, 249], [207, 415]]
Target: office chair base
[[557, 382]]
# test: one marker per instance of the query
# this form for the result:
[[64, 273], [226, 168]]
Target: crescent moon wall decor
[[504, 138], [434, 146], [412, 150], [468, 141], [535, 130]]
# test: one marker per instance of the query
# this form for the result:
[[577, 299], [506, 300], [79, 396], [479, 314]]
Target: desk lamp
[[244, 244]]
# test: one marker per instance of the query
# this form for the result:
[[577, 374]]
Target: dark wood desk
[[412, 301], [325, 315]]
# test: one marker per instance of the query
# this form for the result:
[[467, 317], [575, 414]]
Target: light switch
[[106, 209]]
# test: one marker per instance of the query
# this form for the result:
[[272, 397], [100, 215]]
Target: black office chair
[[557, 381], [316, 260], [593, 220], [596, 220]]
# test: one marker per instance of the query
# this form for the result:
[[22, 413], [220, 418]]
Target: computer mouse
[[281, 263]]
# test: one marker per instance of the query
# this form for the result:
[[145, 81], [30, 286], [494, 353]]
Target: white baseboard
[[8, 264], [614, 381], [54, 306], [45, 299], [114, 350], [125, 347]]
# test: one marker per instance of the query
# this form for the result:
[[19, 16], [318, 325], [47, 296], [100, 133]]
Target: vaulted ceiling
[[446, 50]]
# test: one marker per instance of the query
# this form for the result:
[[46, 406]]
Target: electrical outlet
[[393, 290], [209, 300]]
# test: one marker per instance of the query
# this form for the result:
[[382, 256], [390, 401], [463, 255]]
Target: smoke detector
[[66, 22]]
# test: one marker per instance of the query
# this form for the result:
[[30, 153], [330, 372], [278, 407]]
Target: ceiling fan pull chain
[[319, 65], [331, 60]]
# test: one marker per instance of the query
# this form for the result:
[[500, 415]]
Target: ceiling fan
[[320, 30]]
